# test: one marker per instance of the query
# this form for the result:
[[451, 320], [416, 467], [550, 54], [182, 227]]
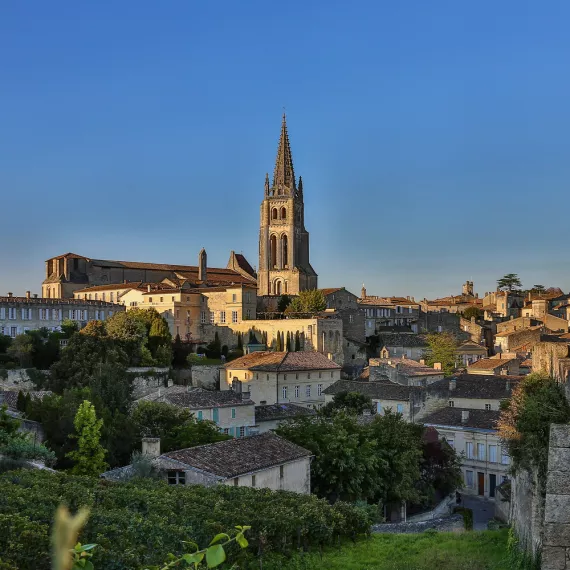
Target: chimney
[[473, 319], [437, 365], [151, 446], [422, 361], [464, 416], [453, 384], [202, 265], [245, 395], [330, 356], [28, 295], [10, 293], [35, 295], [148, 288]]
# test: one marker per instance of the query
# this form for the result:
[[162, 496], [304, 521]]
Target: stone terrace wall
[[556, 539]]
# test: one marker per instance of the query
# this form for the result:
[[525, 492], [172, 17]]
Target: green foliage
[[441, 348], [350, 402], [472, 312], [214, 349], [536, 403], [467, 515], [135, 523], [509, 282], [21, 403], [5, 342], [9, 426], [21, 350], [239, 342], [68, 328], [297, 341], [180, 352], [283, 303], [519, 559], [176, 427], [307, 304], [279, 344], [89, 458]]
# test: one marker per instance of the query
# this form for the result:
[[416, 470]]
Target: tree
[[288, 342], [68, 328], [509, 282], [538, 289], [214, 349], [130, 330], [160, 341], [536, 403], [21, 402], [472, 312], [239, 342], [176, 427], [45, 347], [5, 342], [179, 352], [346, 465], [21, 349], [89, 458], [279, 345], [283, 303], [350, 402], [297, 341], [441, 348], [308, 303], [95, 329]]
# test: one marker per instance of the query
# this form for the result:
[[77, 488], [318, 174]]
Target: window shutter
[[29, 314], [2, 313], [70, 313], [61, 314], [23, 314]]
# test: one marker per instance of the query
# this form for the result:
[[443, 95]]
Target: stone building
[[70, 272], [521, 340], [502, 304], [469, 352], [270, 416], [552, 355], [265, 461], [284, 266], [404, 371], [20, 314], [388, 314], [282, 377], [396, 345], [453, 303], [507, 364], [233, 413]]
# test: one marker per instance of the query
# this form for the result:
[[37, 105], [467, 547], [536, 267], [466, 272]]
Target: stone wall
[[527, 511], [551, 357], [148, 380], [556, 538], [19, 378], [206, 376]]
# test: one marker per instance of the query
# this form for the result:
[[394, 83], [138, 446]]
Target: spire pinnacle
[[283, 175]]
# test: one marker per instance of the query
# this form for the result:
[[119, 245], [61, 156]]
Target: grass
[[427, 551]]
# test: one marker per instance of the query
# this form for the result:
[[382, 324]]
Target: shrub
[[467, 516]]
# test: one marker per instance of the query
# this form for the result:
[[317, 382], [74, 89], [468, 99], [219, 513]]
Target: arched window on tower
[[286, 286], [283, 213], [278, 287], [285, 250], [274, 214], [273, 251]]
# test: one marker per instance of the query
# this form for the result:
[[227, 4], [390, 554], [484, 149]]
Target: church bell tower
[[284, 266]]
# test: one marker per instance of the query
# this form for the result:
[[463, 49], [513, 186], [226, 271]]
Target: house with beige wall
[[404, 371], [264, 461], [233, 413], [500, 364], [282, 377]]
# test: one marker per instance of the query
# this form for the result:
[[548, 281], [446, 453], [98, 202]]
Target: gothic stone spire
[[283, 175]]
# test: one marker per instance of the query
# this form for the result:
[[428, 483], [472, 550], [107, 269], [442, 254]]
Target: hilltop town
[[241, 377]]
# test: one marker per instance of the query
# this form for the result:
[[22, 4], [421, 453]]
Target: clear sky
[[433, 137]]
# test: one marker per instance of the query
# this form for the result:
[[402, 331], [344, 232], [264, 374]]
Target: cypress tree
[[297, 342], [240, 342], [21, 402], [279, 346], [288, 341]]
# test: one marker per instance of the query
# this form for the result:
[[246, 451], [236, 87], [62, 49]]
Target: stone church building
[[284, 265]]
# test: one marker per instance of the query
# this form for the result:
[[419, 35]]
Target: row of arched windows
[[279, 287], [279, 214]]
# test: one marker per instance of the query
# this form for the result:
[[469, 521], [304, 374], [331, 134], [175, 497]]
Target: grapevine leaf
[[215, 555], [219, 537]]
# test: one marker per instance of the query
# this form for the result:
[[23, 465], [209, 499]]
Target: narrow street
[[483, 510]]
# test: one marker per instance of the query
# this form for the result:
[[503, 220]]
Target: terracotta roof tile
[[283, 361]]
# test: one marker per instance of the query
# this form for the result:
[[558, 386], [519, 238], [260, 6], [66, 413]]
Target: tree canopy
[[350, 402], [441, 348], [509, 282], [308, 303], [472, 312]]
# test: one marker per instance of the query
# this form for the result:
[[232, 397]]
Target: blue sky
[[433, 137]]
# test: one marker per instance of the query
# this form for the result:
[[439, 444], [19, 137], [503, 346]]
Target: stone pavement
[[483, 510]]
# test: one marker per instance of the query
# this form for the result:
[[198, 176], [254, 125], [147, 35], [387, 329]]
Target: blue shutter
[[231, 431], [216, 415]]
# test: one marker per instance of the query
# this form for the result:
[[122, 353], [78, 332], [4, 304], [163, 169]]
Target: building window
[[284, 392], [469, 450], [451, 403], [203, 318], [253, 480], [234, 316], [150, 299], [248, 313], [212, 317], [200, 415], [487, 406], [505, 459], [233, 413], [308, 375], [176, 478], [236, 481], [111, 296], [400, 408], [308, 391], [223, 317], [481, 451], [297, 390], [281, 471], [234, 298], [103, 297], [241, 431], [226, 431], [351, 318], [319, 389], [450, 442], [492, 454], [469, 479]]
